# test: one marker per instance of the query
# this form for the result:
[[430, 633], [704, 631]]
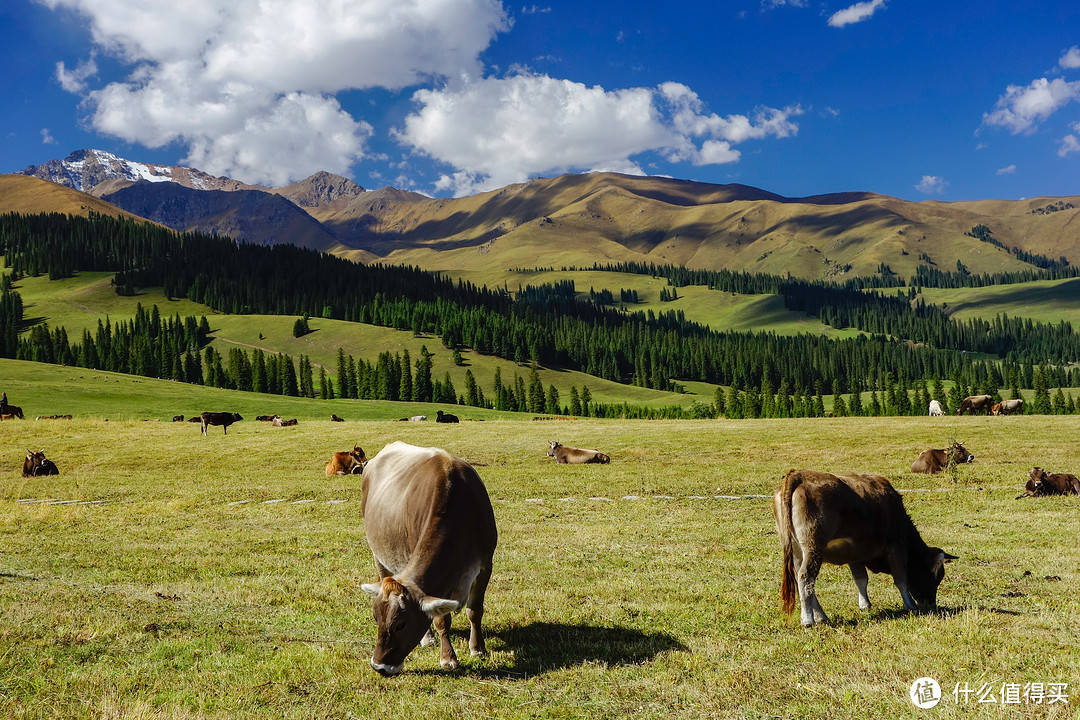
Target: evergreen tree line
[[982, 232], [549, 326], [1015, 339]]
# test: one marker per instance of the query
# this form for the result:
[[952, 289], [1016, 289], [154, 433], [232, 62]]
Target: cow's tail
[[786, 531]]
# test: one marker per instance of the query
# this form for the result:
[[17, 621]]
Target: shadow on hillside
[[541, 647], [1022, 294]]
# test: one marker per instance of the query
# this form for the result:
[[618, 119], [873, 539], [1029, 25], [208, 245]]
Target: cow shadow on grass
[[542, 647], [889, 614]]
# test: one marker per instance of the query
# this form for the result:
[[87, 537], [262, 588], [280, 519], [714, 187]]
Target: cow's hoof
[[428, 640], [478, 653], [451, 664]]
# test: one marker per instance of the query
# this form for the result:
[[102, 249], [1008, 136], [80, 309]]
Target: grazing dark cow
[[1008, 407], [224, 419], [565, 454], [335, 418], [278, 422], [265, 418], [431, 528], [934, 461], [36, 464], [853, 520], [11, 412], [178, 418], [1041, 483], [976, 403], [441, 417], [350, 462]]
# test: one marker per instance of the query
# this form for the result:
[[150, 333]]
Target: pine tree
[[405, 392], [1041, 404]]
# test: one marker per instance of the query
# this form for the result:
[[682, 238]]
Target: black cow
[[441, 417], [224, 419]]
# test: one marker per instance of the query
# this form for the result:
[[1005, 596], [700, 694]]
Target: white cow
[[935, 408]]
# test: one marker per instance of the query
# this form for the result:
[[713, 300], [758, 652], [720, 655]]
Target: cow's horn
[[949, 557]]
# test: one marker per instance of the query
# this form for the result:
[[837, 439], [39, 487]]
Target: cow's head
[[403, 614], [959, 454], [35, 461], [925, 574], [358, 455], [554, 444], [236, 416]]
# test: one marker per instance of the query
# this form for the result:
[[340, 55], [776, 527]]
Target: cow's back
[[415, 498]]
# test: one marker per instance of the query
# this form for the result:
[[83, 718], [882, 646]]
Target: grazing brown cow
[[224, 419], [335, 418], [976, 403], [431, 528], [565, 454], [347, 462], [853, 520], [36, 464], [265, 418], [1041, 483], [178, 418], [934, 461], [1008, 407], [441, 417]]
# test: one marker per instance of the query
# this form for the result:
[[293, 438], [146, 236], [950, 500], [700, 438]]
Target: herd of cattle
[[431, 530]]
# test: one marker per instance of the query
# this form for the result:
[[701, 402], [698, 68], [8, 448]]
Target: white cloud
[[498, 131], [534, 9], [1007, 170], [248, 85], [1070, 143], [1020, 109], [74, 81], [856, 13], [772, 4], [1070, 60], [932, 185], [47, 138]]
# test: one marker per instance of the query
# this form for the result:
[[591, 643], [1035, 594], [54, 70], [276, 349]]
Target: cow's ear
[[433, 607], [947, 557], [371, 589]]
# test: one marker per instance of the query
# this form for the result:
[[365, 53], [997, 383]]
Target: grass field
[[219, 577]]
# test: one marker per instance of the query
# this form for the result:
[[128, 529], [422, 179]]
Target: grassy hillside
[[579, 219], [77, 303], [1049, 301], [219, 577], [23, 194], [719, 310]]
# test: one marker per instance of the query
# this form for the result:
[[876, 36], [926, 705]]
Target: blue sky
[[950, 101]]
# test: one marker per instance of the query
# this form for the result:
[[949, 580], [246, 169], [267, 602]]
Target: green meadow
[[164, 574], [1048, 301]]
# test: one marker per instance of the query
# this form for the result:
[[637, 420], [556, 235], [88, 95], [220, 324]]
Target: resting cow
[[431, 529], [224, 419], [347, 462], [278, 422], [934, 461], [36, 464], [335, 418], [936, 409], [565, 454], [195, 418], [265, 418], [976, 403], [1008, 407], [1041, 483], [853, 520], [441, 417], [178, 418]]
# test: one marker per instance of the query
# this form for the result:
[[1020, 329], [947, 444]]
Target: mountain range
[[576, 220]]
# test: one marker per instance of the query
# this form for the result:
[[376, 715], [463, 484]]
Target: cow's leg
[[474, 610], [898, 565], [806, 578], [447, 658], [861, 581]]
